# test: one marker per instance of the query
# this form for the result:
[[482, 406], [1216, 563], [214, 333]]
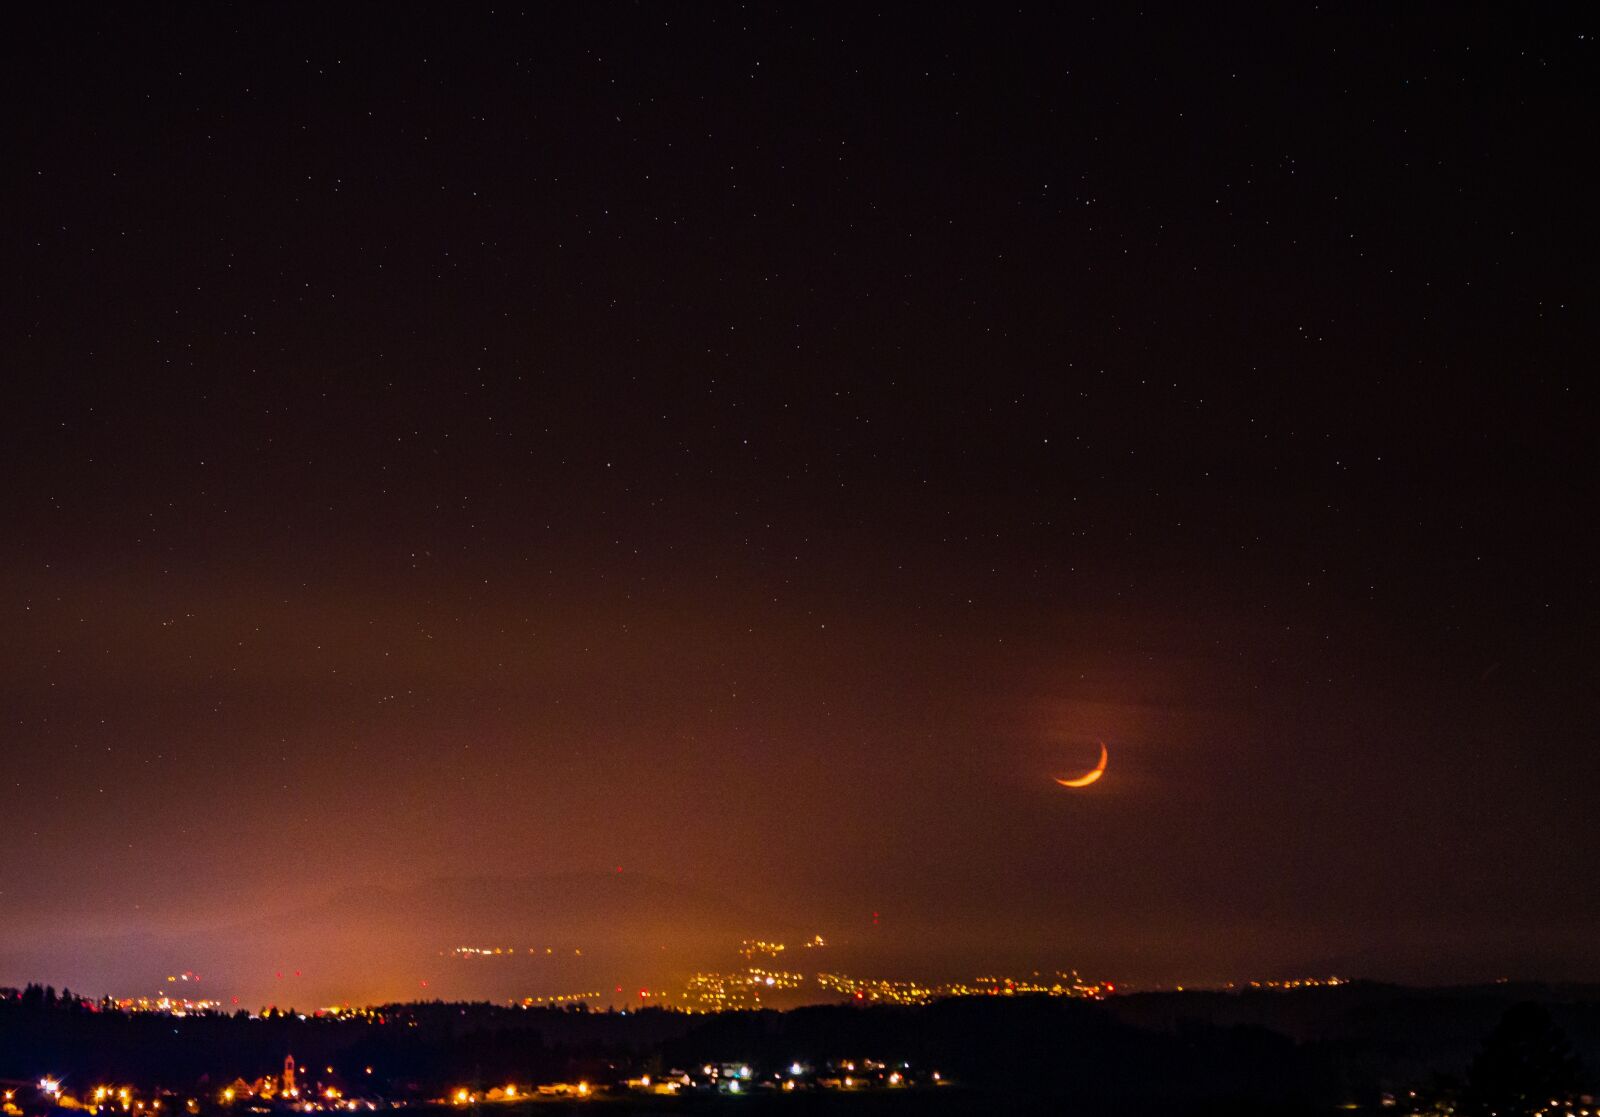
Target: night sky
[[747, 452]]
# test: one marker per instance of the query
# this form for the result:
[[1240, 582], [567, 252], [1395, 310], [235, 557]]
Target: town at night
[[812, 558]]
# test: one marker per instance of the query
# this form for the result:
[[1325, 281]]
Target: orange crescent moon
[[1091, 775]]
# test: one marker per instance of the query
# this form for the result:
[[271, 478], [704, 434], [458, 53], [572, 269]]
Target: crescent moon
[[1091, 775]]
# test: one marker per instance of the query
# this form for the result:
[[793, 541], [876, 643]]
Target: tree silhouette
[[1525, 1061]]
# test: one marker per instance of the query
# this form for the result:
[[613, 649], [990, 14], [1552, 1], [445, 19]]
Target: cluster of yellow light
[[112, 1098], [1298, 983], [722, 992], [509, 951], [559, 999], [351, 1012], [877, 990], [170, 1006], [752, 948], [881, 991], [269, 1089], [1060, 984], [846, 1075], [511, 1092], [774, 979], [293, 1092], [715, 992], [749, 948], [870, 1072], [663, 1086]]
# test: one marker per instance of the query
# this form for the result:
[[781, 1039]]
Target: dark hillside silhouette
[[1525, 1062]]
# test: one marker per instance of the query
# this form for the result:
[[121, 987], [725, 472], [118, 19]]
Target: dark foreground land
[[949, 1102], [1359, 1047]]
